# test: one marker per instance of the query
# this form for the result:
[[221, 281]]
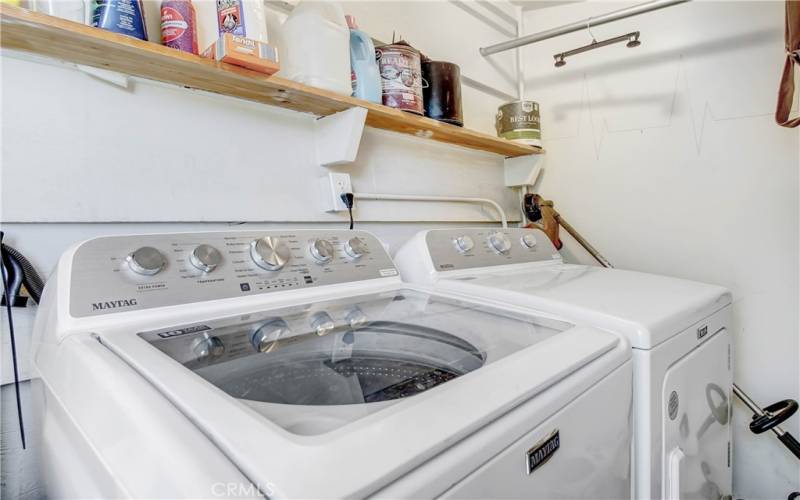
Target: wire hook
[[589, 29]]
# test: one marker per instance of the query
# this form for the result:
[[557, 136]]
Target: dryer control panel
[[466, 248], [125, 273]]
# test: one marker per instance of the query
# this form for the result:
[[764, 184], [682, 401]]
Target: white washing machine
[[679, 331], [297, 364]]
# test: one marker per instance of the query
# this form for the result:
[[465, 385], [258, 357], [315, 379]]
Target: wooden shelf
[[69, 41]]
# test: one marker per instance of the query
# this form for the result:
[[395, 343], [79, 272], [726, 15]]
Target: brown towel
[[786, 90]]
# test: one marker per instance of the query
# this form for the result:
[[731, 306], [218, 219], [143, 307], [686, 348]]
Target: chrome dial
[[463, 243], [499, 242], [205, 258], [321, 250], [355, 248], [269, 253], [146, 261], [207, 347], [355, 317], [322, 323], [528, 240], [266, 337]]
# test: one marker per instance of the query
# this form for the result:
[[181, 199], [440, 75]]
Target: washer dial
[[321, 250], [146, 261], [266, 337], [528, 240], [205, 258], [463, 244], [208, 347], [269, 253], [499, 242], [355, 248]]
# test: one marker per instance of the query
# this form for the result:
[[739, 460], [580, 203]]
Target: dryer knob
[[146, 261], [322, 323], [266, 337], [499, 242], [321, 250], [355, 248], [463, 244], [205, 258], [528, 240], [269, 253], [208, 347]]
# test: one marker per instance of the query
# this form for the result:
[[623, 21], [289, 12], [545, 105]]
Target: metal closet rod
[[609, 17]]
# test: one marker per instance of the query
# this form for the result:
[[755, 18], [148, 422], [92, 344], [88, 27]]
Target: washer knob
[[355, 248], [269, 253], [321, 250], [208, 347], [146, 260], [528, 240], [499, 242], [463, 244], [322, 323], [265, 338], [205, 258]]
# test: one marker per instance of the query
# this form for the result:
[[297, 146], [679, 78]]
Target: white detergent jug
[[315, 46]]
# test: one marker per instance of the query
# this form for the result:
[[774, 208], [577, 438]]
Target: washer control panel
[[126, 273], [466, 248]]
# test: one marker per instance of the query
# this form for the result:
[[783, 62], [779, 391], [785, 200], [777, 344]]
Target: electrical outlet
[[332, 187]]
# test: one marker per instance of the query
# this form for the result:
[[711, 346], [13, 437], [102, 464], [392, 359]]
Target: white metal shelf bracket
[[522, 170], [337, 136]]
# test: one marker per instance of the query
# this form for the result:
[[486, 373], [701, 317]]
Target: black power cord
[[348, 199], [9, 300]]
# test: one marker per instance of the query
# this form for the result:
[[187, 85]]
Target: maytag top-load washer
[[679, 331], [297, 364]]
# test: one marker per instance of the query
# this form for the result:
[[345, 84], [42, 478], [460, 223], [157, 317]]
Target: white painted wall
[[667, 159]]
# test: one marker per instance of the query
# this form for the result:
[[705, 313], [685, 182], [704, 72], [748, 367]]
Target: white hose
[[444, 199]]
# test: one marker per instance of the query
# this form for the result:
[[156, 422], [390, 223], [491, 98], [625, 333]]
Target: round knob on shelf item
[[146, 260], [355, 248], [463, 243], [269, 253], [266, 337], [499, 242], [207, 347], [528, 240], [321, 250], [205, 258], [322, 323]]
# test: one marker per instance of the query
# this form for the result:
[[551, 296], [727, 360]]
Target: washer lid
[[648, 308], [430, 370]]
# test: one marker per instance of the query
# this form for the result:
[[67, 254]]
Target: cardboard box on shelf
[[245, 52]]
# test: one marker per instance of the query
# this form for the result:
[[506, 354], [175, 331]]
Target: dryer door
[[696, 424]]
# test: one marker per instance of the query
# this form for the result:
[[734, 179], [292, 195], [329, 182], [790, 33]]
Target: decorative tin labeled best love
[[519, 121]]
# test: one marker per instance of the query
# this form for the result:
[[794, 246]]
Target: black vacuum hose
[[30, 278]]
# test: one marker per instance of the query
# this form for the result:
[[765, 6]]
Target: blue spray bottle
[[364, 72]]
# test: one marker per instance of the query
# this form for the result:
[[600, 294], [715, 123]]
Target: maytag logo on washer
[[113, 304], [543, 451]]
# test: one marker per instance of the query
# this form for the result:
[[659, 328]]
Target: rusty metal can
[[401, 77]]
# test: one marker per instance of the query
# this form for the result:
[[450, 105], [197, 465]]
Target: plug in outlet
[[332, 187]]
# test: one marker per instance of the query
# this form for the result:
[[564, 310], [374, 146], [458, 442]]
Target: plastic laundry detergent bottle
[[365, 75], [315, 46]]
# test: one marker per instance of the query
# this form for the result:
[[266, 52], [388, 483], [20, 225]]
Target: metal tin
[[179, 25], [519, 121], [401, 77], [443, 92]]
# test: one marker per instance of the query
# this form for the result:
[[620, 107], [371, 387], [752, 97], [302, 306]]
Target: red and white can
[[179, 25]]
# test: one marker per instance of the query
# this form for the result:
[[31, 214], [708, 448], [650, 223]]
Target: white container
[[73, 10], [315, 46]]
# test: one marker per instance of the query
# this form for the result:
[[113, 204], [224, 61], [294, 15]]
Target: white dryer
[[297, 364], [679, 331]]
